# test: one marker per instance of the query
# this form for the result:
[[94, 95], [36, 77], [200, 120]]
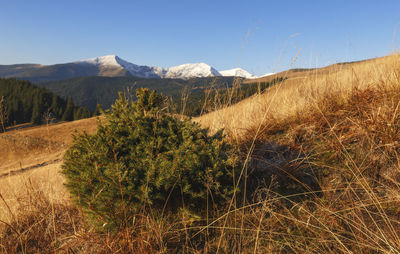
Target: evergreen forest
[[23, 102]]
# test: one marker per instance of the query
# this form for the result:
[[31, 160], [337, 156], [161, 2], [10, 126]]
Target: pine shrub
[[142, 158]]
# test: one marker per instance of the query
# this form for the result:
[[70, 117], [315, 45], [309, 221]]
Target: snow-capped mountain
[[115, 62], [113, 66], [109, 60], [191, 70], [237, 72], [184, 71], [267, 74]]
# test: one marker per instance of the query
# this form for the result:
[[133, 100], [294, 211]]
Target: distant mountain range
[[98, 80], [113, 66]]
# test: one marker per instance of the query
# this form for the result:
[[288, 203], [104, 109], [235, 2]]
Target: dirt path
[[21, 170]]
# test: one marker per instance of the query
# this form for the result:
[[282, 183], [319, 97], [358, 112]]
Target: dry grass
[[343, 126], [295, 94], [32, 156], [31, 146], [352, 148], [42, 225], [322, 169]]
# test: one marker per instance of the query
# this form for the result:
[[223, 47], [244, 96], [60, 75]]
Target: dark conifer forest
[[23, 102]]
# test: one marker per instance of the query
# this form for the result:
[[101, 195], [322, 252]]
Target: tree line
[[23, 102]]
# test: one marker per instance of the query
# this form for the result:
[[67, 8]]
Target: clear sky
[[259, 36]]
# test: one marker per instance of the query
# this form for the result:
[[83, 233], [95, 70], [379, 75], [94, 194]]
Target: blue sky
[[259, 36]]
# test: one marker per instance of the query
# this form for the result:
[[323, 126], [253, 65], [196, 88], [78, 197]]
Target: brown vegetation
[[30, 146], [33, 156]]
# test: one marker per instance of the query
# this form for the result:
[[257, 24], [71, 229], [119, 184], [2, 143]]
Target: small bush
[[142, 157]]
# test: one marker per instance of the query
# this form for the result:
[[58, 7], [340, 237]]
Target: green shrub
[[143, 158]]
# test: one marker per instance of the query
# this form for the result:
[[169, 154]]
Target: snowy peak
[[108, 66], [237, 72], [109, 60], [142, 71], [111, 65], [191, 70], [267, 74]]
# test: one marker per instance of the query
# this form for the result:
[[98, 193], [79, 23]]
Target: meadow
[[320, 169]]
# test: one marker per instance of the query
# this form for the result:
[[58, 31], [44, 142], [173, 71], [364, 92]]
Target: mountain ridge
[[113, 66], [237, 72]]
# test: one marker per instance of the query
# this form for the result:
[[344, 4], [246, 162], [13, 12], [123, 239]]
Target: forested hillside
[[90, 91], [23, 102], [190, 97]]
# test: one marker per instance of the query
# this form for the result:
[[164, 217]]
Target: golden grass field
[[300, 90], [33, 156], [343, 120]]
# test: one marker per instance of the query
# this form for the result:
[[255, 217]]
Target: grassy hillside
[[296, 93], [304, 72], [320, 174], [341, 126], [26, 147]]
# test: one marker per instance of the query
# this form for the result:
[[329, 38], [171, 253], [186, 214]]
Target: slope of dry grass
[[295, 94], [30, 146], [32, 157], [352, 147], [344, 125]]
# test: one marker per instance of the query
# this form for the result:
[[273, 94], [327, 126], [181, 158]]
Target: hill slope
[[301, 87]]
